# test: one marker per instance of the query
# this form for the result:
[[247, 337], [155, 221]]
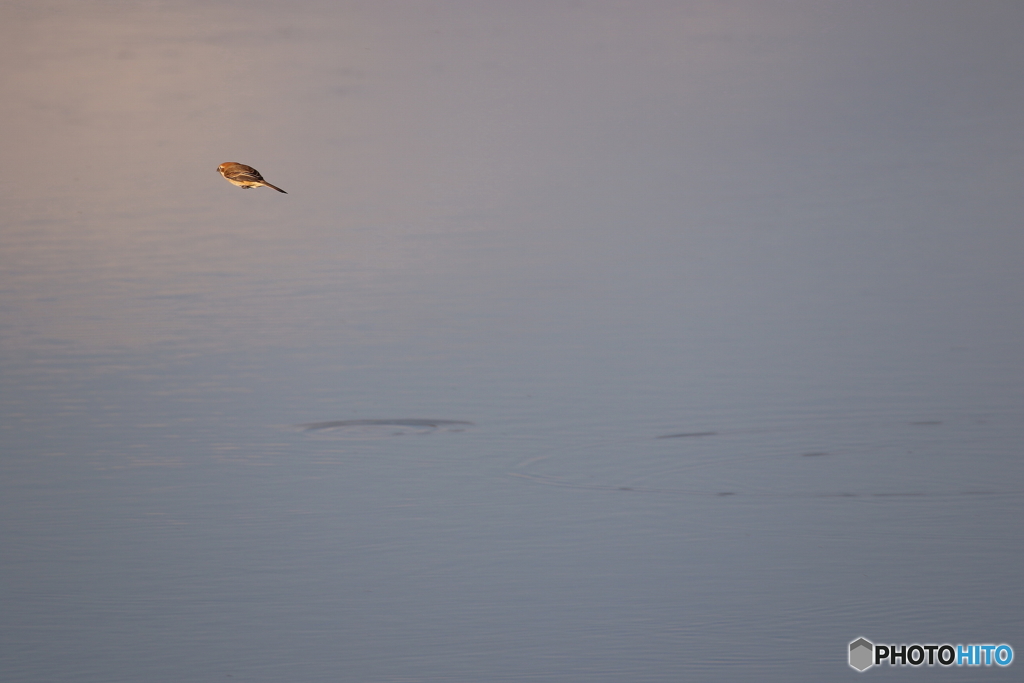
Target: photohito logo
[[864, 654]]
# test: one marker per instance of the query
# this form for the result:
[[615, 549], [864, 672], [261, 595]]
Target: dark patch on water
[[335, 424], [361, 429], [899, 494], [686, 434]]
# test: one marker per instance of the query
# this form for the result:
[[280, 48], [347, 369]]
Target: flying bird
[[244, 176]]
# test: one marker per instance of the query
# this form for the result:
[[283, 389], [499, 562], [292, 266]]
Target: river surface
[[592, 341]]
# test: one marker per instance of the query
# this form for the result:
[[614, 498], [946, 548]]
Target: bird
[[244, 176]]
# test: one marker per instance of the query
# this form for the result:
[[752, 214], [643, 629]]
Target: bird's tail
[[274, 186]]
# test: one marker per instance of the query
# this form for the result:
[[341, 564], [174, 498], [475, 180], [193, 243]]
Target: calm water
[[633, 341]]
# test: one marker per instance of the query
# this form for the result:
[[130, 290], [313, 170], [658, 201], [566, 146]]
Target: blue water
[[652, 343]]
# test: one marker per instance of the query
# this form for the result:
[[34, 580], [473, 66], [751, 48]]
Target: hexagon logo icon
[[861, 654]]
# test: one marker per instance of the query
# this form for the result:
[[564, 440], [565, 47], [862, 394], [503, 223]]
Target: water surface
[[592, 341]]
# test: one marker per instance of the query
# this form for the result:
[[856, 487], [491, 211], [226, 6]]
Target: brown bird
[[243, 176]]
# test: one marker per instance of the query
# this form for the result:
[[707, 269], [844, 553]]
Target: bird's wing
[[246, 174]]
